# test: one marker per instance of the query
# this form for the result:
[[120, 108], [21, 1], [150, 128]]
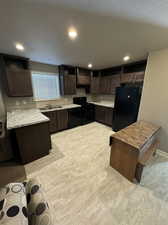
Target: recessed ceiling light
[[72, 33], [19, 47], [90, 65], [126, 58]]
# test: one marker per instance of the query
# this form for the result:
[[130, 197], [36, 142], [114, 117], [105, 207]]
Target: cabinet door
[[62, 119], [69, 84], [108, 116], [114, 82], [53, 121], [83, 79], [127, 78], [19, 83], [104, 85], [100, 114], [95, 85], [33, 142], [139, 76]]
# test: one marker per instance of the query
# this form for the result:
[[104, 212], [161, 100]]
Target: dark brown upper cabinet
[[16, 76], [83, 77], [67, 75], [132, 77], [108, 84], [95, 82], [133, 72]]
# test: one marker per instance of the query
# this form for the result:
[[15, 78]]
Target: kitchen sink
[[51, 107]]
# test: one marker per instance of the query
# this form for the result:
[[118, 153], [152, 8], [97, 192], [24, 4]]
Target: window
[[45, 86]]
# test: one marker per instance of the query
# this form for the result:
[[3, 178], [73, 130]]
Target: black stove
[[87, 109]]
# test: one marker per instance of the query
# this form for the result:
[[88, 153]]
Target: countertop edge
[[28, 124], [58, 109], [102, 104]]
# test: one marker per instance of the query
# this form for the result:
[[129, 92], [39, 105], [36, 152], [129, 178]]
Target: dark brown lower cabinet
[[53, 121], [104, 115], [62, 119], [58, 120], [32, 142]]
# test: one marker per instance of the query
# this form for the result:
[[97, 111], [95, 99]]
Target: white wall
[[154, 102]]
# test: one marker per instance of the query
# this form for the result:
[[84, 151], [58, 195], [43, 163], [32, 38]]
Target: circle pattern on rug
[[2, 204], [16, 188], [24, 210], [13, 211], [34, 189], [40, 208]]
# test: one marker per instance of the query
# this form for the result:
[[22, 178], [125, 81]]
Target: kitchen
[[86, 96], [83, 113]]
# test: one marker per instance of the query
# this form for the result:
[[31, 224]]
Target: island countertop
[[137, 134], [22, 118]]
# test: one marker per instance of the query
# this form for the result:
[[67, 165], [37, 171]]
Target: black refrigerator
[[126, 107]]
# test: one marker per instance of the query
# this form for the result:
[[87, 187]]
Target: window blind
[[45, 86]]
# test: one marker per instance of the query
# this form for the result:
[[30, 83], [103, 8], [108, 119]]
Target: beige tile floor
[[84, 190]]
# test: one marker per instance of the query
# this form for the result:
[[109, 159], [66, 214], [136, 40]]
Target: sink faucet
[[49, 106]]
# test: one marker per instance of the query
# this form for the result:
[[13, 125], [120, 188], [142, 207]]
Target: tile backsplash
[[13, 103]]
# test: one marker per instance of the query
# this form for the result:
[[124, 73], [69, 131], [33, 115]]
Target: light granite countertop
[[109, 104], [137, 134], [22, 118], [70, 106]]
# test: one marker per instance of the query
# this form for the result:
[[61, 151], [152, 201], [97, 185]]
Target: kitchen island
[[131, 147]]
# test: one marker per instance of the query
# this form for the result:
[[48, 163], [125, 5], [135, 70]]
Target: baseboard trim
[[162, 153]]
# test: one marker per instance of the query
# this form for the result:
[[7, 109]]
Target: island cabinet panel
[[19, 83], [33, 142], [132, 147], [104, 115]]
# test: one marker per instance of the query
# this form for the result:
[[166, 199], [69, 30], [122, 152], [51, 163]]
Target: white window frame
[[45, 73]]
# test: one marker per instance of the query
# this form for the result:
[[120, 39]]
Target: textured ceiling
[[107, 29]]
